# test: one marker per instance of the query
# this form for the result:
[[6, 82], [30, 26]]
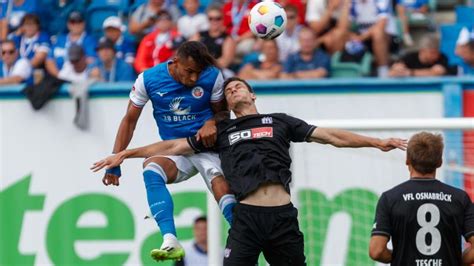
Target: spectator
[[54, 18], [300, 8], [113, 29], [375, 28], [288, 40], [235, 20], [109, 68], [15, 70], [158, 46], [407, 9], [217, 41], [142, 20], [428, 61], [33, 44], [196, 250], [11, 13], [192, 22], [268, 67], [76, 69], [309, 62], [77, 35], [330, 20], [465, 50]]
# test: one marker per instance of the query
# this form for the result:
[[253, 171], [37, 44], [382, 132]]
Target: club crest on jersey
[[197, 92], [253, 133], [267, 120]]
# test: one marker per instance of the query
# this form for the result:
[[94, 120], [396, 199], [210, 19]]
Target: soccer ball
[[267, 20]]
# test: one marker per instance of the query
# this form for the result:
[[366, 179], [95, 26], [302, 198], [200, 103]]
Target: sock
[[159, 198], [226, 204]]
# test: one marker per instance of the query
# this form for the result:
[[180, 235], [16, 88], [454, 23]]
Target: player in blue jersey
[[185, 93]]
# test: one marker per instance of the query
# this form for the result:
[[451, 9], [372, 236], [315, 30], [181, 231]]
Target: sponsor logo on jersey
[[197, 92], [267, 120], [161, 93], [254, 133], [176, 108]]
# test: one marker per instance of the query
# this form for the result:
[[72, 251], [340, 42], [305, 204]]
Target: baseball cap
[[75, 52], [113, 22], [75, 16], [465, 36], [105, 43]]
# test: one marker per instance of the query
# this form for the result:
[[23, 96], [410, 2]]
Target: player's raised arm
[[346, 139], [168, 147]]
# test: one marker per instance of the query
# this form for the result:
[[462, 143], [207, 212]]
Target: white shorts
[[207, 164]]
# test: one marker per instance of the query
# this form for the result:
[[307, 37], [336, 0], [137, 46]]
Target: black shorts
[[271, 230]]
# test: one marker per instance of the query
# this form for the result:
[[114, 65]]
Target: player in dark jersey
[[255, 160], [424, 217]]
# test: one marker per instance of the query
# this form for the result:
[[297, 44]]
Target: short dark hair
[[198, 52], [229, 80], [31, 17], [292, 8], [425, 152], [200, 219], [214, 7]]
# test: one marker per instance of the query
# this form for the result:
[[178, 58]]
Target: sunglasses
[[4, 52], [214, 18], [291, 17], [75, 21]]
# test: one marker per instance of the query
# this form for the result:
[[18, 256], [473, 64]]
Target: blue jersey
[[179, 111], [28, 47]]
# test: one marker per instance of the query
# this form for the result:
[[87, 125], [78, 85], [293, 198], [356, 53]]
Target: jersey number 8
[[428, 227]]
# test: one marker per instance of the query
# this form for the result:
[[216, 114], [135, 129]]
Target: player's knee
[[220, 187], [169, 169], [154, 175]]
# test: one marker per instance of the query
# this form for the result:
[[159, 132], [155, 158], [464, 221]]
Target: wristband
[[115, 171]]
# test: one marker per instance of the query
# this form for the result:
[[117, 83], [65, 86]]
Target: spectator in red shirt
[[157, 46], [236, 14]]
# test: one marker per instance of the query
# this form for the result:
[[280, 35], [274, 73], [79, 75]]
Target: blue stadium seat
[[98, 11], [203, 4], [449, 36], [465, 15]]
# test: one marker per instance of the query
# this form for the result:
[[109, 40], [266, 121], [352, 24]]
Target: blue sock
[[226, 204], [159, 198]]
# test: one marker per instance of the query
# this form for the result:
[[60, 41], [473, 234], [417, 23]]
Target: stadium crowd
[[114, 40]]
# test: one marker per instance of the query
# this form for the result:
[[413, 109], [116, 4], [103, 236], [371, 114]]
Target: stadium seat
[[350, 69], [424, 21], [449, 36], [203, 4], [465, 15], [98, 11]]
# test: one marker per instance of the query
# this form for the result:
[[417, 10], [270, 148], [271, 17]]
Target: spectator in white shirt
[[288, 42], [375, 28], [196, 250], [76, 69], [15, 70], [192, 22]]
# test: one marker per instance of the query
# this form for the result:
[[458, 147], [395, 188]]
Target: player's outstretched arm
[[346, 139], [168, 147], [468, 254], [378, 250]]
